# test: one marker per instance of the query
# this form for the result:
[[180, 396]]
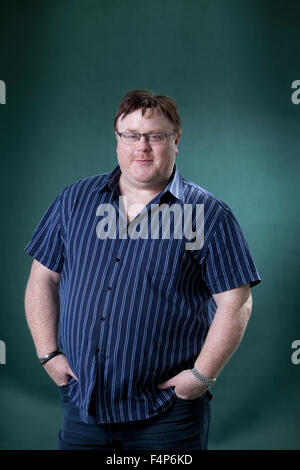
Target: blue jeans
[[184, 425]]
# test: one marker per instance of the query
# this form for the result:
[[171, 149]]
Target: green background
[[229, 64]]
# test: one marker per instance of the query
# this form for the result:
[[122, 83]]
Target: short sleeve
[[46, 245], [228, 262]]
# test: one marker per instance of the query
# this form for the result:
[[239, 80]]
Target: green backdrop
[[230, 65]]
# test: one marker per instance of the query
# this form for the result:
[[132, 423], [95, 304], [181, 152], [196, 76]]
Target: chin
[[143, 177]]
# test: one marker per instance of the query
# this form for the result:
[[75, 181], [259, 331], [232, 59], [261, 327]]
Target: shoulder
[[195, 194], [81, 189], [77, 192], [86, 185]]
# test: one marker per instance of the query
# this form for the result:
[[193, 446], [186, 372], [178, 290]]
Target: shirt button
[[102, 318], [117, 259], [109, 288]]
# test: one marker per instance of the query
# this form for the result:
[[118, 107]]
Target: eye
[[131, 137], [156, 137]]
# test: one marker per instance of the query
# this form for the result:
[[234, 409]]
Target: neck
[[129, 188]]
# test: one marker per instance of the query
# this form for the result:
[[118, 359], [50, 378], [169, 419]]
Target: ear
[[177, 138]]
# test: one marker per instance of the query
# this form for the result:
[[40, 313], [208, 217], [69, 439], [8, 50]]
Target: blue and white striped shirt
[[135, 311]]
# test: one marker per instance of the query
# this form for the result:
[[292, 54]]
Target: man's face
[[143, 164]]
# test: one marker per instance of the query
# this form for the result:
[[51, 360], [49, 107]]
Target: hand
[[186, 385], [59, 370]]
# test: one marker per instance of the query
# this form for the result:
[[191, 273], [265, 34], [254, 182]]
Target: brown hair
[[143, 99]]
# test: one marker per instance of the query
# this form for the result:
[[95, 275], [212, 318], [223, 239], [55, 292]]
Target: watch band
[[208, 383], [49, 356]]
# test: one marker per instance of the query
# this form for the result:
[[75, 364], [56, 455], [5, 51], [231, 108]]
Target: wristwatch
[[208, 383]]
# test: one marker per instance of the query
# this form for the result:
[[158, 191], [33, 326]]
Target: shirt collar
[[110, 180]]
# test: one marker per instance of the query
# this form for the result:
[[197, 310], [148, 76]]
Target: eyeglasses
[[135, 137]]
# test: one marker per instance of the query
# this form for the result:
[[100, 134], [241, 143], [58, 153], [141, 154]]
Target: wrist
[[207, 382], [47, 357], [46, 348]]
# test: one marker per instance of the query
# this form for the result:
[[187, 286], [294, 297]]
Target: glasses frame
[[146, 137]]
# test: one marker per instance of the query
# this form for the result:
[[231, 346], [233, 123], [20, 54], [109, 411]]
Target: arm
[[223, 338], [42, 314]]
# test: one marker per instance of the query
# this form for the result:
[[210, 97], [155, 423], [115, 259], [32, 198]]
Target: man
[[147, 321]]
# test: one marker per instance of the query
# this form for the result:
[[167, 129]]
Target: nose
[[143, 144]]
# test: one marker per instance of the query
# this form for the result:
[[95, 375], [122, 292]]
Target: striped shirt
[[135, 311]]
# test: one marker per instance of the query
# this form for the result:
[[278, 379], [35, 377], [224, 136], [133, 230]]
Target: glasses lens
[[156, 138], [130, 138]]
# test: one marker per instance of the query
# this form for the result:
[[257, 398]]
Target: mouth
[[143, 162]]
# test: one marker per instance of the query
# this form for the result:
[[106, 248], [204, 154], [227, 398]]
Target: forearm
[[223, 338], [42, 314]]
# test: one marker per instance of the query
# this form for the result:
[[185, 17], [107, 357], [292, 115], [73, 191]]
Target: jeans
[[184, 425]]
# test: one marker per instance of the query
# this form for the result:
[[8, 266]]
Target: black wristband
[[49, 356]]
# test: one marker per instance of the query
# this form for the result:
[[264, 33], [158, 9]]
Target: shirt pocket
[[162, 262]]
